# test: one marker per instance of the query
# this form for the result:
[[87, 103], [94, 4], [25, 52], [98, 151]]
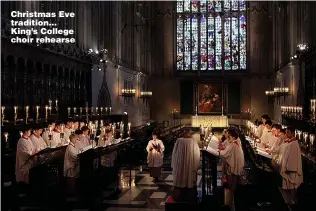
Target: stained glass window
[[211, 35]]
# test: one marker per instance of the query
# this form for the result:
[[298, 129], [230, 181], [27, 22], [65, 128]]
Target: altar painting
[[210, 97]]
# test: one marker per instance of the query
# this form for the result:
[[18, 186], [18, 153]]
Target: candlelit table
[[214, 121]]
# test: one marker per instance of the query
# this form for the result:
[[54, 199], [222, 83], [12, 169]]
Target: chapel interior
[[141, 71]]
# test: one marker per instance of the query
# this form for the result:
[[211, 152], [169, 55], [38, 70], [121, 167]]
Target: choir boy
[[84, 138], [233, 164], [71, 164], [56, 140], [278, 140], [262, 127], [37, 141], [75, 126], [68, 129], [291, 164], [49, 131], [155, 150], [267, 136], [24, 150]]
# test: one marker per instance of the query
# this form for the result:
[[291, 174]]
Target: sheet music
[[260, 148], [213, 151], [264, 153]]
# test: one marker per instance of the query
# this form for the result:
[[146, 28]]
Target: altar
[[214, 121]]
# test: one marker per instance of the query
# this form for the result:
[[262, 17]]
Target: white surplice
[[55, 139], [260, 130], [233, 155], [67, 133], [154, 157], [291, 165], [213, 144], [38, 142], [267, 137], [84, 141], [275, 149], [24, 150], [45, 136], [71, 162], [185, 163]]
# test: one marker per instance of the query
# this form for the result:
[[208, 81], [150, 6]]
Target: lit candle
[[113, 129], [2, 110], [15, 110], [106, 109], [96, 110], [129, 126], [6, 137], [110, 109], [21, 134], [101, 110], [68, 111], [305, 136], [46, 109], [56, 104], [75, 109], [50, 106], [312, 138], [50, 129], [62, 128], [27, 110], [299, 134], [37, 109]]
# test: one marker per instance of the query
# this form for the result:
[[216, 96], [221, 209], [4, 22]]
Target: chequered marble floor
[[143, 192], [138, 192]]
